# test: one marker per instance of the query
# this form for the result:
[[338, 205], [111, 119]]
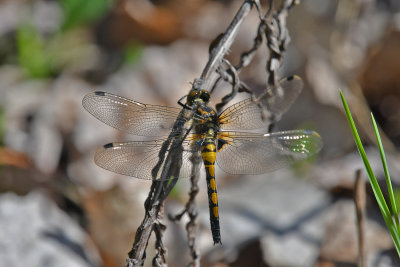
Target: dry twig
[[272, 26], [360, 202]]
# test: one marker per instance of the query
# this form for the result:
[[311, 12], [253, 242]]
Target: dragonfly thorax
[[206, 121]]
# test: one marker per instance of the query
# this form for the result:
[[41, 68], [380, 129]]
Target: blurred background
[[57, 208]]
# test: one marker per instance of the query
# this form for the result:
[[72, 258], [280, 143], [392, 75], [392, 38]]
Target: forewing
[[250, 115], [246, 115], [251, 153], [138, 159], [130, 116]]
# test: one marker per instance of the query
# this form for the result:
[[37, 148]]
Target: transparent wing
[[245, 115], [251, 153], [137, 159], [130, 116], [248, 115]]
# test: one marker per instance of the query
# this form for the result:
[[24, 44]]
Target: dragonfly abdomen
[[208, 153]]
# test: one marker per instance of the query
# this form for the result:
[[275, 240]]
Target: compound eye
[[205, 96], [191, 97]]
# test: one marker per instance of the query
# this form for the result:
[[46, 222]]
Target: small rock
[[36, 233]]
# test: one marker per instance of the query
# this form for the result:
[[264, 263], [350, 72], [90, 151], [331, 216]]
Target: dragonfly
[[227, 139]]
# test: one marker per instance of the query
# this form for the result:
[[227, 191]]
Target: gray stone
[[34, 232], [284, 212]]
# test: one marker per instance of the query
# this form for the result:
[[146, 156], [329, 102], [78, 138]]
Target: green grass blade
[[385, 168], [374, 183], [375, 186]]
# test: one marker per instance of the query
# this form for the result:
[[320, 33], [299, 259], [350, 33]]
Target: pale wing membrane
[[130, 116], [245, 115], [251, 153], [279, 99], [248, 115], [137, 159]]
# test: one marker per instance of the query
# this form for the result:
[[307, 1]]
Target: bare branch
[[273, 26], [277, 38], [360, 202], [235, 85], [159, 191], [225, 43], [161, 258], [191, 210]]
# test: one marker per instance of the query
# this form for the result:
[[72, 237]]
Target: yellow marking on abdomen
[[214, 198], [211, 171], [215, 212], [210, 147], [212, 184], [209, 156]]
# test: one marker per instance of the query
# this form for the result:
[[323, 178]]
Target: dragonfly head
[[196, 97]]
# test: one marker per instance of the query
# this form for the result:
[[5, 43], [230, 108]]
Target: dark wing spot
[[99, 93], [290, 78], [110, 145]]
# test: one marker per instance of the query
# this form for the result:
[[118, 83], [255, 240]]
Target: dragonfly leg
[[184, 105]]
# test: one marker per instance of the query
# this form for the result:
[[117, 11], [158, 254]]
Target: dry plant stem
[[191, 211], [172, 159], [277, 39], [160, 258], [223, 46], [230, 74], [247, 56], [235, 86], [191, 227], [170, 156], [273, 26], [161, 188], [360, 200], [205, 81]]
